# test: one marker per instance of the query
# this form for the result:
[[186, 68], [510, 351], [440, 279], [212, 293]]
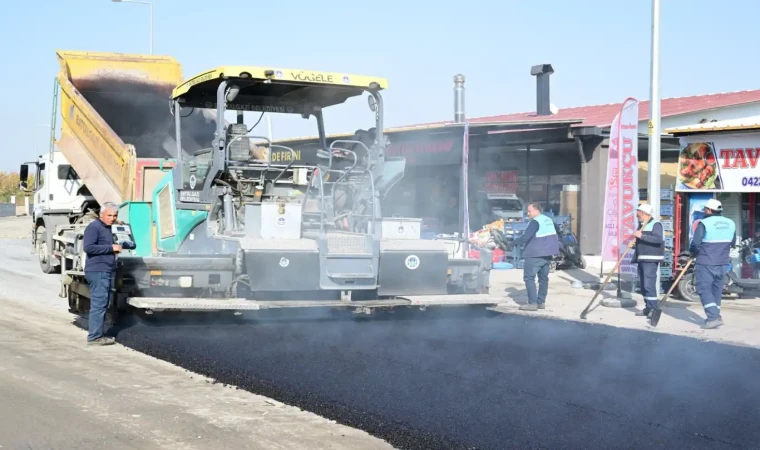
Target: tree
[[9, 186]]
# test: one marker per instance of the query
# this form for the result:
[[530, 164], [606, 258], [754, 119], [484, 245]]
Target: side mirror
[[232, 92], [372, 103], [23, 177]]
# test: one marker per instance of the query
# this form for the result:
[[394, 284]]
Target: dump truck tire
[[45, 252]]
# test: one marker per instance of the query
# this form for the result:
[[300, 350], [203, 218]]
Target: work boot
[[529, 307], [710, 324], [644, 312], [104, 340], [542, 306]]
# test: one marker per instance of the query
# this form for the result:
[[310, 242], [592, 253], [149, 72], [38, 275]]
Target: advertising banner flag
[[621, 189]]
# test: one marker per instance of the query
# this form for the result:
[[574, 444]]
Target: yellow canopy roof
[[261, 85]]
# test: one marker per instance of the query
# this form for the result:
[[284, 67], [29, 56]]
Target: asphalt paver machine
[[235, 223]]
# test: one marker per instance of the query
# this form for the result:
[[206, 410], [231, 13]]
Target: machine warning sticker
[[281, 221], [190, 196], [193, 181], [284, 262], [412, 262]]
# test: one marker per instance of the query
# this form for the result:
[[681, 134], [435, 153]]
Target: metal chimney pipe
[[543, 99], [459, 98]]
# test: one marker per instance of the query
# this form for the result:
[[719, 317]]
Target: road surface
[[57, 393], [475, 381]]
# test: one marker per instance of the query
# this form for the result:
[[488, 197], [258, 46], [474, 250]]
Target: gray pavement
[[57, 393], [468, 381]]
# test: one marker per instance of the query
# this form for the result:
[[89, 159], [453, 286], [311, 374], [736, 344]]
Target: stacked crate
[[512, 231], [667, 209]]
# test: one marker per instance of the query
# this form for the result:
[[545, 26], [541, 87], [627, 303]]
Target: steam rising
[[140, 114]]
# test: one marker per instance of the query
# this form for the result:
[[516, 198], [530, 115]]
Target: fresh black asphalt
[[482, 381]]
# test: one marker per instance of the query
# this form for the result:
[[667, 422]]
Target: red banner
[[500, 182]]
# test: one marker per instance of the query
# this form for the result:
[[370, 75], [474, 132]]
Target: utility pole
[[150, 4], [654, 126]]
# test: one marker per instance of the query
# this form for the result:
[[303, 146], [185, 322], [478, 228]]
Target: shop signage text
[[719, 163], [427, 152], [500, 182]]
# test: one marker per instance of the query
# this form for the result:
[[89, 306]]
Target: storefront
[[509, 166], [720, 160]]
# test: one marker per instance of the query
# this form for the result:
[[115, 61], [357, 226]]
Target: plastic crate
[[666, 210], [667, 225], [666, 194], [666, 273], [669, 241]]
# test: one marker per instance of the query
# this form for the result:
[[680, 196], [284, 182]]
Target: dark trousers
[[100, 293], [540, 267], [648, 281], [709, 283]]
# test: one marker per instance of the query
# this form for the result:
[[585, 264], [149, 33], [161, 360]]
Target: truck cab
[[59, 197]]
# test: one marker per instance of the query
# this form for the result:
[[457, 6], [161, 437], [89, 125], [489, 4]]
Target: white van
[[506, 206]]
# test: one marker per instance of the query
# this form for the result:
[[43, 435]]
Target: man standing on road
[[649, 253], [712, 242], [541, 245], [100, 267]]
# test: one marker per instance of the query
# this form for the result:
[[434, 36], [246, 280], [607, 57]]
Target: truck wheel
[[687, 290], [44, 252]]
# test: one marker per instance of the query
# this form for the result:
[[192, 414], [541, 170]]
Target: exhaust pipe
[[459, 98], [543, 100]]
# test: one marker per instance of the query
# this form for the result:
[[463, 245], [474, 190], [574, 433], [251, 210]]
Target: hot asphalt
[[480, 380]]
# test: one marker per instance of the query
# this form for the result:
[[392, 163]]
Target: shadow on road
[[291, 316]]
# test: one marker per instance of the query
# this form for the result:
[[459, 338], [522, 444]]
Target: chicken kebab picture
[[698, 167]]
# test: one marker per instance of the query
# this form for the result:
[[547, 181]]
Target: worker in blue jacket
[[541, 246], [711, 245], [100, 269], [648, 254]]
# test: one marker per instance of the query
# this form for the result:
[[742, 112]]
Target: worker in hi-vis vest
[[648, 254], [711, 245], [541, 246]]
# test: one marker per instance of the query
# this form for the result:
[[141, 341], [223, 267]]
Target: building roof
[[746, 123], [603, 115], [600, 115]]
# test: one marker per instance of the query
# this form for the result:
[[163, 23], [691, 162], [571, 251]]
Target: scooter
[[570, 250], [687, 288]]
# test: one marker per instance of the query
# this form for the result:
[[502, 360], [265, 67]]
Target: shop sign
[[500, 182], [719, 163], [427, 152], [621, 191]]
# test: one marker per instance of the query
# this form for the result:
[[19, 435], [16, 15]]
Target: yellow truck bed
[[115, 111]]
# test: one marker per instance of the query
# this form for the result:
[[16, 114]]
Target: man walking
[[649, 253], [541, 245], [100, 267], [712, 242]]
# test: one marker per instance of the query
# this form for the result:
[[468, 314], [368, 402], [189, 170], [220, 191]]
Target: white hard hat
[[646, 209], [714, 205]]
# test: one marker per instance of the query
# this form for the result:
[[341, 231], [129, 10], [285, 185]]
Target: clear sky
[[599, 50]]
